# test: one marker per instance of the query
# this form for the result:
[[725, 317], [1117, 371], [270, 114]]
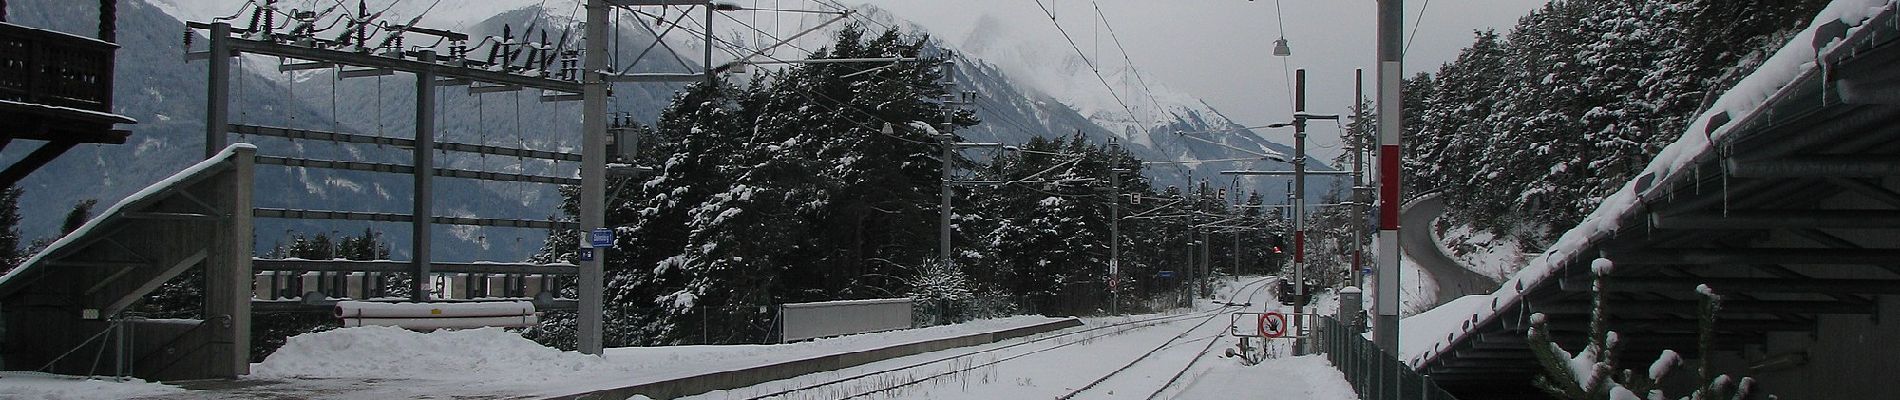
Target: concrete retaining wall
[[724, 380]]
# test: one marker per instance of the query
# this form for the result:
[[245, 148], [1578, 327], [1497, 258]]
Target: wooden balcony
[[54, 87]]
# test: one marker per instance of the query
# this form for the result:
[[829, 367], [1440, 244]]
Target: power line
[[1131, 63], [1415, 22], [1090, 63]]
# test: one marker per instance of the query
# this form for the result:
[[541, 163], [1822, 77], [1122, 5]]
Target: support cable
[[1090, 63], [1130, 62]]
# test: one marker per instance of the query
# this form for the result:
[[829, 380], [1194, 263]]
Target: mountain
[[166, 94], [1028, 88]]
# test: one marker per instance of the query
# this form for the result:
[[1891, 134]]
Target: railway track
[[1211, 340], [884, 379]]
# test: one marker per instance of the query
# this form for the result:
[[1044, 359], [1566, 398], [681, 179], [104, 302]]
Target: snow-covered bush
[[1592, 374]]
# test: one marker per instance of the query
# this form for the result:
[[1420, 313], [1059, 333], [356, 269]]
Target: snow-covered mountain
[[1043, 87], [1023, 91]]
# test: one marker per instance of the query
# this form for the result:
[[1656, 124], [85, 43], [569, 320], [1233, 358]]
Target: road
[[1453, 279]]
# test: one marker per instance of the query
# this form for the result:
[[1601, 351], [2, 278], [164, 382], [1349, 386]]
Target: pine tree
[[81, 212], [11, 255]]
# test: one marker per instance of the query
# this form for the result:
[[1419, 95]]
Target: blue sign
[[587, 254], [1367, 271], [1165, 274], [601, 237]]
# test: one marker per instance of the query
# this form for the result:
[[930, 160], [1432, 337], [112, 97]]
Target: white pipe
[[374, 310], [445, 323]]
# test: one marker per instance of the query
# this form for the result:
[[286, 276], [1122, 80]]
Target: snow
[[1451, 317], [1791, 63], [384, 362], [1038, 371], [115, 118], [27, 385], [1480, 251], [1666, 361], [1602, 267]]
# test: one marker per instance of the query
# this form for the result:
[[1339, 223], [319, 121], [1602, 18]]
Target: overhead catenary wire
[[1132, 70], [1415, 22], [1090, 63]]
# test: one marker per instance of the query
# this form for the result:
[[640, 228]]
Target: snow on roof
[[1794, 62], [98, 115], [112, 212]]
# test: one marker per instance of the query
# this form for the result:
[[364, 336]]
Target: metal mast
[[1391, 50]]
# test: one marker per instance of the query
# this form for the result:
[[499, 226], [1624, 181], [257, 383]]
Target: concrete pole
[[218, 90], [1206, 273], [1299, 197], [1114, 229], [710, 9], [1359, 198], [1391, 49], [1237, 232], [422, 208], [945, 139], [593, 202]]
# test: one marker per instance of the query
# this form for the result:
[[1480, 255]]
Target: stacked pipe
[[432, 316]]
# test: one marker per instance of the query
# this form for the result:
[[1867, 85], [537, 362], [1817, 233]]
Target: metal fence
[[1372, 372]]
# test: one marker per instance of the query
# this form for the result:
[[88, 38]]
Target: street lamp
[[1280, 49]]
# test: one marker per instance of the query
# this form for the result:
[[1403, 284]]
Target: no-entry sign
[[1272, 324]]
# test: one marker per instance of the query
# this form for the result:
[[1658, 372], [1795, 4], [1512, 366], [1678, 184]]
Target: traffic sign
[[1272, 324], [601, 237]]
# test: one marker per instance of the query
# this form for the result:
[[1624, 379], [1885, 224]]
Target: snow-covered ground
[[384, 362], [1482, 252], [24, 385], [1017, 370]]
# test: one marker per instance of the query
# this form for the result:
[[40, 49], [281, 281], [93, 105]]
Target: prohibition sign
[[1272, 324]]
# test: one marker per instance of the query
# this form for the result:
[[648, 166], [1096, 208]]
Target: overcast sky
[[1217, 50], [1221, 50]]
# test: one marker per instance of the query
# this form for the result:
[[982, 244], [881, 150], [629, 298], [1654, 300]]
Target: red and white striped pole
[[1299, 197], [1385, 331]]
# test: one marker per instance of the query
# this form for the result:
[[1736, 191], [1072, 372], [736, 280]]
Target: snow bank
[[25, 385], [380, 350]]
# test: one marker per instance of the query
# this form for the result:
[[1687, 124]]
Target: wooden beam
[[387, 266], [1688, 307], [1779, 219], [1758, 285], [154, 282], [1784, 256], [33, 161]]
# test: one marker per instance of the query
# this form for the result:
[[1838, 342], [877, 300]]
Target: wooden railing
[[55, 69]]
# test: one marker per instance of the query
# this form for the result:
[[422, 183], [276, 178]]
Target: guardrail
[[1373, 373]]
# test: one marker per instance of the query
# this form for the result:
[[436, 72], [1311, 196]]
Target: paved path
[[1453, 280]]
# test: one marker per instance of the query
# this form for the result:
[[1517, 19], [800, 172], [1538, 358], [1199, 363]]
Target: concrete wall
[[802, 321]]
